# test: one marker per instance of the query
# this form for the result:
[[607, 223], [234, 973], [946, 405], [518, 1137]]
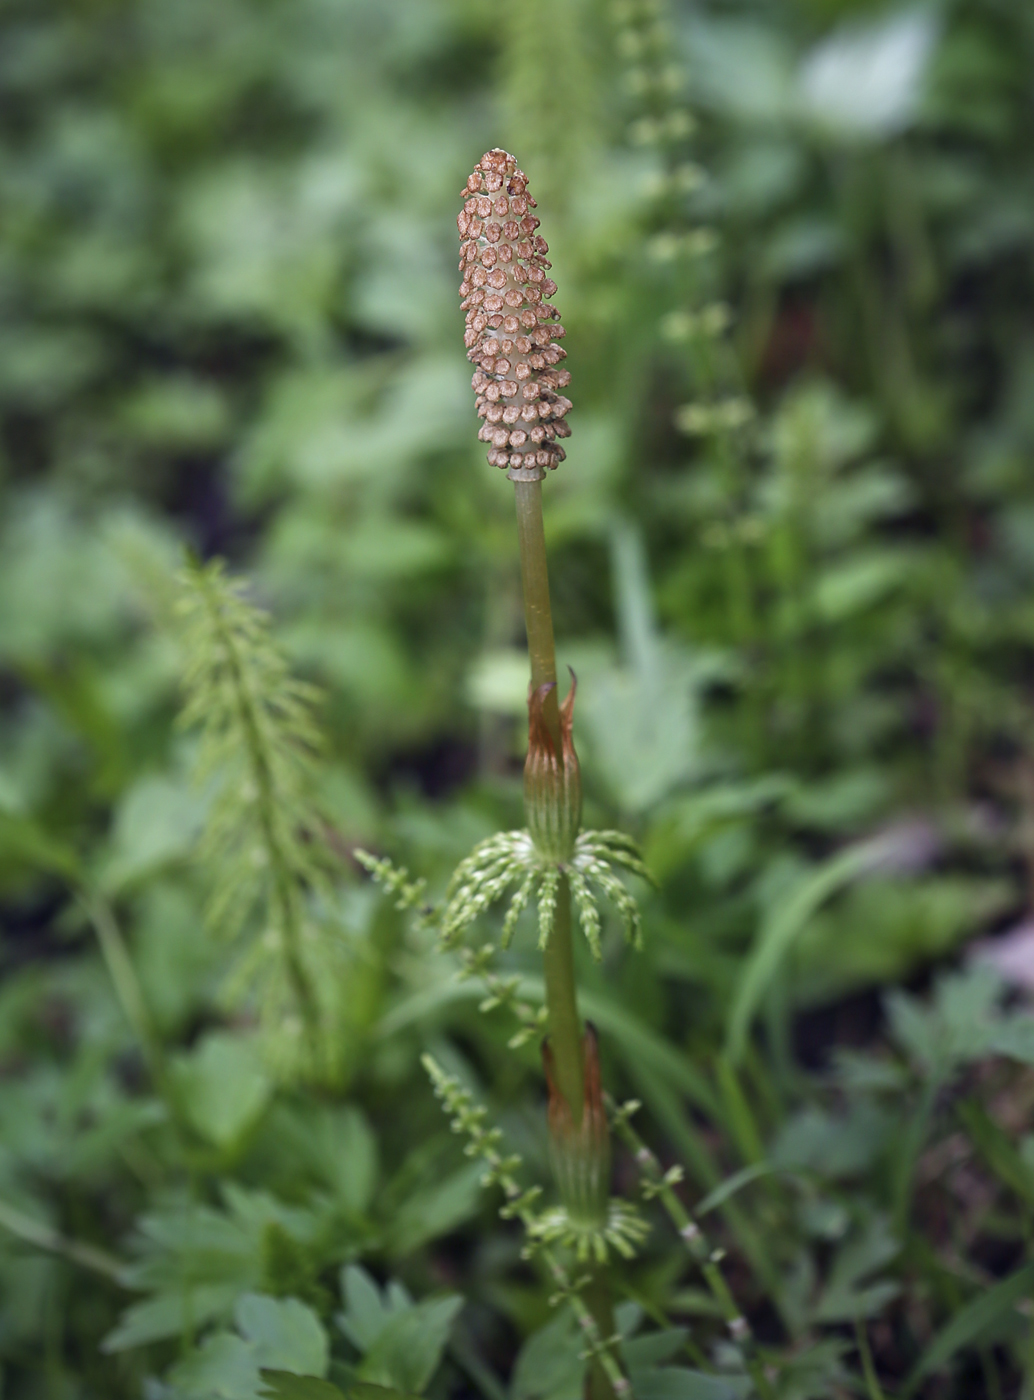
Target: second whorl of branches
[[510, 328]]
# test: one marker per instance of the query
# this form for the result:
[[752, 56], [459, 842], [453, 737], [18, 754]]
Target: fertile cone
[[510, 328]]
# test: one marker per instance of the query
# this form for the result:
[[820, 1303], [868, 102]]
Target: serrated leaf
[[843, 1299], [222, 1368], [406, 1353], [284, 1334], [367, 1311]]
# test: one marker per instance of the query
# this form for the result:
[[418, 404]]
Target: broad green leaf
[[1013, 1036], [223, 1367], [858, 583], [337, 1143], [285, 1334], [223, 1085], [157, 823], [640, 1353], [281, 1334], [865, 81], [550, 1365], [680, 1383]]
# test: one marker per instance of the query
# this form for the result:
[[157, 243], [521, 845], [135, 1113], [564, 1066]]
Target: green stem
[[600, 1304], [538, 617], [23, 1227], [595, 1314], [131, 998], [565, 1029], [708, 1260]]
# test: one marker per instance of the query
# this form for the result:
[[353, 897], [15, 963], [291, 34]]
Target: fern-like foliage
[[510, 857], [549, 1231], [263, 839]]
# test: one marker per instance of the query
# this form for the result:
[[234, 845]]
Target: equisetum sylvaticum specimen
[[511, 337]]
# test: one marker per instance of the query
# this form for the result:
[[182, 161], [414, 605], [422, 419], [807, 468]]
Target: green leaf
[[223, 1086], [971, 1322], [24, 842], [680, 1383], [997, 1149], [279, 1333], [653, 1348], [168, 1314], [550, 1365], [285, 1385], [732, 1184], [284, 1334], [434, 1211], [843, 1299], [1014, 1037], [157, 823], [406, 1354], [367, 1310], [782, 926], [403, 1341], [224, 1367], [960, 1023]]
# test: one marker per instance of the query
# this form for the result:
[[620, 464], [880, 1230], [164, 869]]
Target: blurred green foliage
[[792, 553]]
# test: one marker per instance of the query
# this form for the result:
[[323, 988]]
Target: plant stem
[[596, 1313], [600, 1304], [131, 997], [699, 1249], [538, 617], [23, 1227], [565, 1030]]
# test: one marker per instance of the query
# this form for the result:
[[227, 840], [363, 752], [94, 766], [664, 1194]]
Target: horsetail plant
[[263, 835], [511, 335]]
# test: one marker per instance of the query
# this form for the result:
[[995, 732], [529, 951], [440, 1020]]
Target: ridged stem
[[565, 1029], [565, 1032], [538, 618]]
